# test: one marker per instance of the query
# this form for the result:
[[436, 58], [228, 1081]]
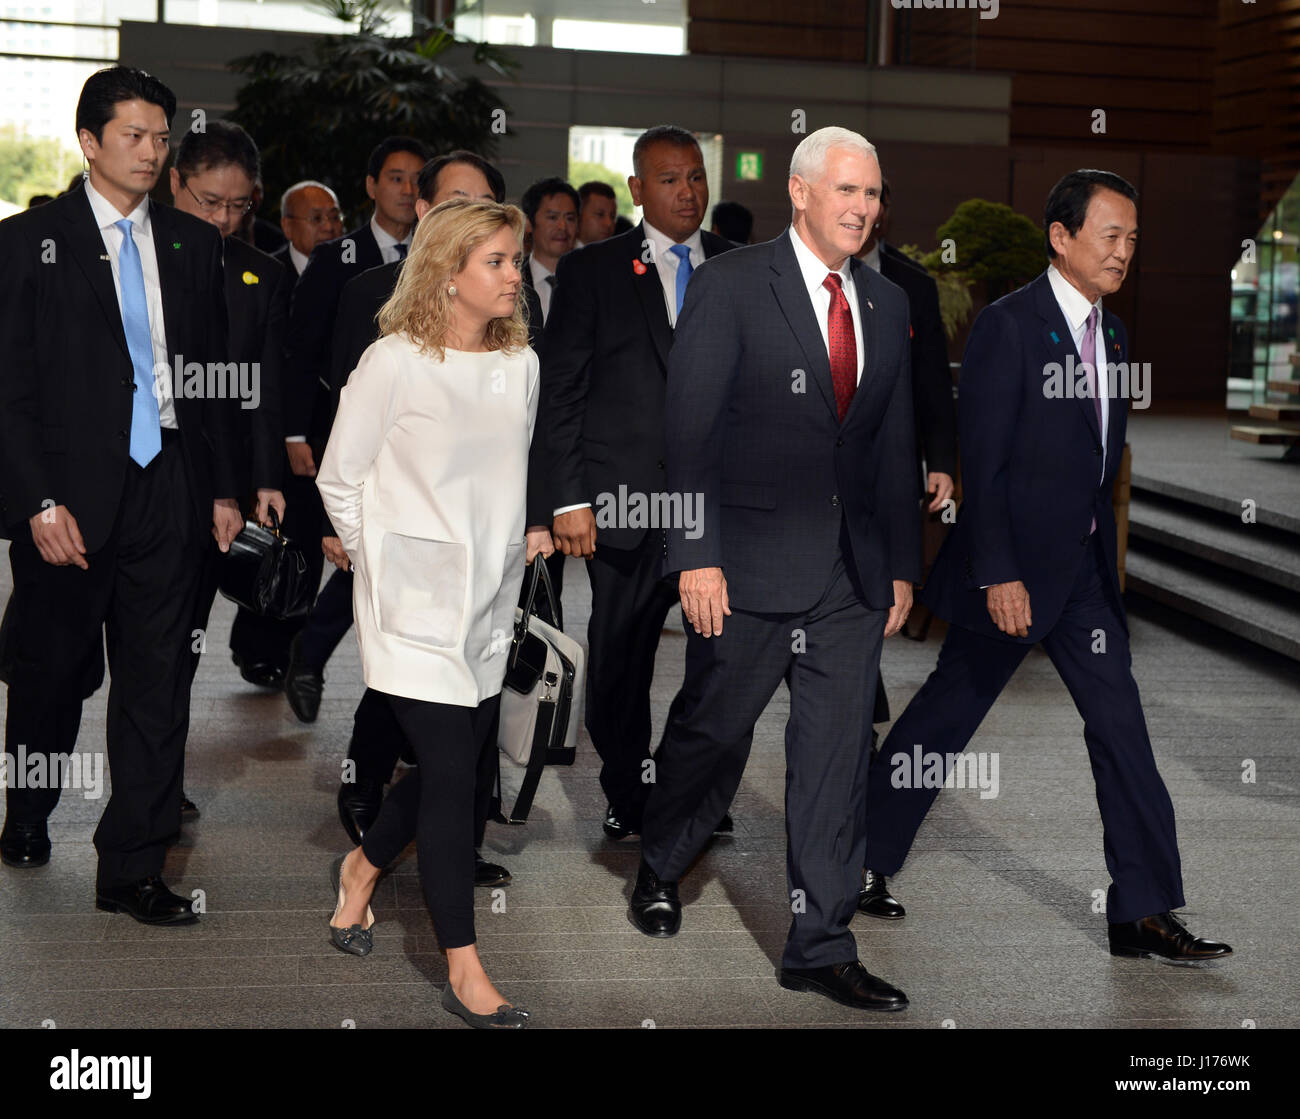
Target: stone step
[[1285, 385], [1283, 412], [1260, 551], [1251, 433], [1259, 612]]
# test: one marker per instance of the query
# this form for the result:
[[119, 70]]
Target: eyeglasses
[[318, 219], [210, 207]]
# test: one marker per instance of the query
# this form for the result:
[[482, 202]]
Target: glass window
[[593, 25], [275, 15]]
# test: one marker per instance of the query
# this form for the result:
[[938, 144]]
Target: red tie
[[843, 347]]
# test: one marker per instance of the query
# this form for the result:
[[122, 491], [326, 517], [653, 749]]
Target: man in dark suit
[[602, 413], [117, 460], [309, 216], [212, 179], [260, 646], [377, 740], [551, 208], [1032, 558], [935, 416], [789, 414]]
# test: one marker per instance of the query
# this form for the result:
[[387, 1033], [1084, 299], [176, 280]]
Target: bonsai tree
[[317, 114]]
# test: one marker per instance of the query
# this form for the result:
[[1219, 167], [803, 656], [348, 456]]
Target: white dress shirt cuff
[[570, 508]]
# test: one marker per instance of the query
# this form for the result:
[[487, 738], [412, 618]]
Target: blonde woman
[[424, 478]]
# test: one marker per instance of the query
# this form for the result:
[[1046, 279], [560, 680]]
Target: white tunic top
[[424, 479]]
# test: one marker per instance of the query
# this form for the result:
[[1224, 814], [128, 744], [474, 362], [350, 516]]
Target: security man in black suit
[[212, 179], [117, 460], [608, 335], [261, 648]]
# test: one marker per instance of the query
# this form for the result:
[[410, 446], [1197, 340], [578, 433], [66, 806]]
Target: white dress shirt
[[388, 243], [1076, 308], [424, 481], [814, 274], [544, 288], [106, 215], [299, 259], [667, 262]]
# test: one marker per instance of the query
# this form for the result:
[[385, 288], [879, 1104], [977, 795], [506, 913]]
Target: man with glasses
[[213, 179], [309, 216]]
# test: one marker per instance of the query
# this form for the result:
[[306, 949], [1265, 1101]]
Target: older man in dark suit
[[789, 414], [117, 460], [1032, 558], [608, 335]]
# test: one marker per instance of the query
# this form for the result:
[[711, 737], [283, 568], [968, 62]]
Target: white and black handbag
[[541, 701]]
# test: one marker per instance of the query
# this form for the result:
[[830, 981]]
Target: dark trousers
[[1136, 813], [438, 804], [827, 656], [258, 640], [140, 590], [629, 604], [329, 621]]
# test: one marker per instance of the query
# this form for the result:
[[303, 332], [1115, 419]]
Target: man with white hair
[[789, 411], [309, 216]]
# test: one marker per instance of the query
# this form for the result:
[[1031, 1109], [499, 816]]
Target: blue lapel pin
[[1055, 339]]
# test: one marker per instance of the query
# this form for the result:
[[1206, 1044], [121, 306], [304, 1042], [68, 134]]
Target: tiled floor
[[1000, 930]]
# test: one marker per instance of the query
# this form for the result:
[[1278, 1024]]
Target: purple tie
[[1089, 356]]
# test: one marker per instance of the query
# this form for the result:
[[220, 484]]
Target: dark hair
[[622, 224], [39, 200], [595, 186], [385, 148], [660, 134], [1068, 201], [544, 188], [105, 89], [734, 222], [222, 143], [427, 183]]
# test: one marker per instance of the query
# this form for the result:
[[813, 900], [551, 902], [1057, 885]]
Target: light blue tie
[[146, 431], [683, 255]]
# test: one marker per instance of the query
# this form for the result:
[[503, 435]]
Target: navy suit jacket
[[1031, 466], [752, 425]]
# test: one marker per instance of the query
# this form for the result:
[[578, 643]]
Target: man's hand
[[1009, 608], [227, 521], [902, 605], [704, 599], [575, 532], [941, 485], [332, 546], [538, 542], [267, 500], [300, 460], [57, 537]]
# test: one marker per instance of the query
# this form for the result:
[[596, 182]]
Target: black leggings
[[436, 806]]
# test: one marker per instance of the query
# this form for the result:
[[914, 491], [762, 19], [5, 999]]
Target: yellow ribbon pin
[[250, 278]]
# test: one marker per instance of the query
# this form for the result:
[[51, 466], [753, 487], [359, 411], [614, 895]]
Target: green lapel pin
[[176, 244]]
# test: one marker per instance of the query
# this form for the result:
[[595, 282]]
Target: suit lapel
[[792, 297], [650, 294], [1060, 343], [1118, 418], [167, 250], [88, 251]]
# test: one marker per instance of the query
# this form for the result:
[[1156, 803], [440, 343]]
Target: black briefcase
[[266, 573]]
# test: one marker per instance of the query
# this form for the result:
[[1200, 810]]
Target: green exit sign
[[749, 166]]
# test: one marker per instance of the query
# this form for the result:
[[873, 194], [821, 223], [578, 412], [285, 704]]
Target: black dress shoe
[[875, 900], [620, 826], [359, 804], [489, 874], [189, 810], [261, 673], [25, 846], [149, 901], [1164, 937], [849, 984], [303, 686], [726, 825], [655, 908]]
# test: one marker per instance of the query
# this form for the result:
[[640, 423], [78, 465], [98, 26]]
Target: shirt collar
[[538, 270], [386, 240], [106, 214], [1073, 303], [814, 271], [299, 260], [663, 243]]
